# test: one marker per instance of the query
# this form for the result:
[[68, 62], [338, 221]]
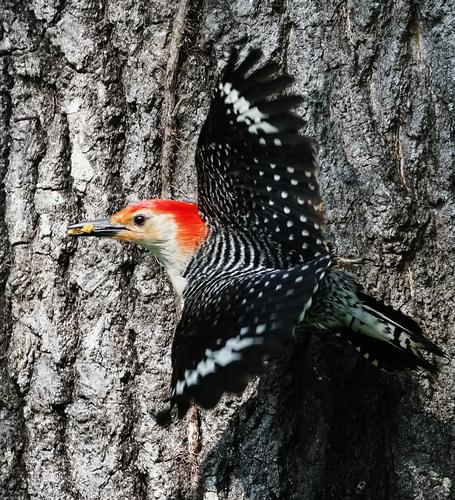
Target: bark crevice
[[95, 103]]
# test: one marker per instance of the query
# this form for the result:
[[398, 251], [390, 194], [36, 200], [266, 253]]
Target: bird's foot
[[347, 263]]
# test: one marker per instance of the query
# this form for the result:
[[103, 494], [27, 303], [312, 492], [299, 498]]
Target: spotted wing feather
[[254, 169], [232, 325], [398, 341]]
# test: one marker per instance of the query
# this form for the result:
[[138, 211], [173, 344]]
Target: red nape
[[191, 228]]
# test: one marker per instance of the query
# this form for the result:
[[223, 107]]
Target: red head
[[152, 221], [172, 230]]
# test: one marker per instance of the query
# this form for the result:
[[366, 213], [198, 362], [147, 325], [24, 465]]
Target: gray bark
[[98, 110]]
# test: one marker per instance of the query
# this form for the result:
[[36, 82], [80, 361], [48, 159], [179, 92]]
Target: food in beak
[[85, 229], [101, 228]]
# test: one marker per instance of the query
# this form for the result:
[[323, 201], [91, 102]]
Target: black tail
[[388, 338]]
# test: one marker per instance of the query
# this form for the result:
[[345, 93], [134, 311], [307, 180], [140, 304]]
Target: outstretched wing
[[254, 170], [231, 325]]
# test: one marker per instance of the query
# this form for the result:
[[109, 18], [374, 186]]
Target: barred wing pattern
[[254, 170], [250, 316], [254, 277]]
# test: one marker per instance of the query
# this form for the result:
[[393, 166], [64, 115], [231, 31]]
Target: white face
[[155, 231]]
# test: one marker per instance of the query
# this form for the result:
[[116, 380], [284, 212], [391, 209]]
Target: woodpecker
[[250, 262]]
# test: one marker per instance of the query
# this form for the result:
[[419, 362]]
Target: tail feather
[[387, 337], [384, 355]]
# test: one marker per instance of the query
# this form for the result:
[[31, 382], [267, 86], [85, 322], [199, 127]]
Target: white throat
[[168, 251], [177, 280]]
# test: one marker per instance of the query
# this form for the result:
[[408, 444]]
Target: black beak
[[101, 228]]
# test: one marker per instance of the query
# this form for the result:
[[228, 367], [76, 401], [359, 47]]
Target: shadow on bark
[[333, 432]]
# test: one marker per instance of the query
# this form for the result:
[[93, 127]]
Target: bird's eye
[[139, 220]]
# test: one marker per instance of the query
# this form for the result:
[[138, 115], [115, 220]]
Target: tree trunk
[[101, 104]]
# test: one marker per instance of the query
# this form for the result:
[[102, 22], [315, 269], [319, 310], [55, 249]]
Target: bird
[[249, 261]]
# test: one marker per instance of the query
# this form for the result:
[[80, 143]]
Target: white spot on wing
[[191, 377], [264, 126], [180, 387], [241, 105], [232, 97], [227, 87], [206, 366], [227, 354]]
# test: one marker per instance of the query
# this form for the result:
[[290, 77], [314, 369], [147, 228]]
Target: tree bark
[[101, 104]]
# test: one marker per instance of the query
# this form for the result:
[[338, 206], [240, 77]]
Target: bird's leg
[[347, 263], [344, 261]]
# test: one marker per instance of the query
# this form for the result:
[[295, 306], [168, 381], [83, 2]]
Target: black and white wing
[[254, 170], [258, 192], [232, 325]]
